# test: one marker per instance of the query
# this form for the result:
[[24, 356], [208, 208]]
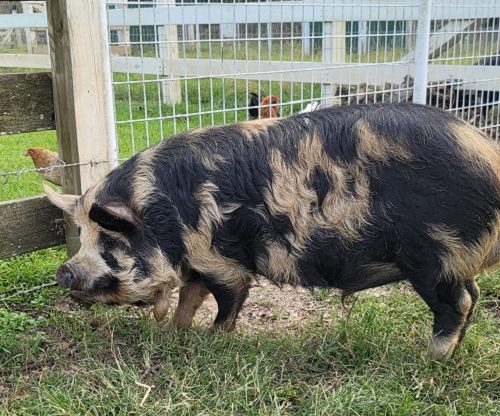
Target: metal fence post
[[108, 101], [422, 52], [333, 52], [168, 51]]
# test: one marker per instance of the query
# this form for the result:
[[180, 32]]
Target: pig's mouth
[[103, 290], [91, 297]]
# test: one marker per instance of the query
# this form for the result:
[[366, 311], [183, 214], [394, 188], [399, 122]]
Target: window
[[141, 34], [135, 5], [113, 36]]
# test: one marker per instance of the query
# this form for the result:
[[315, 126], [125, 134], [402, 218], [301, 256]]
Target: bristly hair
[[389, 153]]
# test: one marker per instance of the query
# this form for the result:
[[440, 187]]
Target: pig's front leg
[[191, 297]]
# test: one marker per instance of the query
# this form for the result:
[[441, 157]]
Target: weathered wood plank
[[80, 98], [29, 224], [26, 103]]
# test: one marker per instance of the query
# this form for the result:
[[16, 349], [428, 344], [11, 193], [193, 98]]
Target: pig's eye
[[79, 230], [108, 243]]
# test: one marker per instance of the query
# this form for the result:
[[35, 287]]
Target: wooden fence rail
[[29, 224], [26, 103]]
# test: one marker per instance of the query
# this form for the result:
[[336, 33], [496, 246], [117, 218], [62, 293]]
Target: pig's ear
[[63, 201], [114, 217]]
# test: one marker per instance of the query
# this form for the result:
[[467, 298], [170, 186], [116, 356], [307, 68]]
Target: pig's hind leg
[[452, 303]]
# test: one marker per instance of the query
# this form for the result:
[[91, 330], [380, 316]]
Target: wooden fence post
[[83, 129]]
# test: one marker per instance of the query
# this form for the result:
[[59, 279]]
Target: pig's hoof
[[168, 327], [442, 347]]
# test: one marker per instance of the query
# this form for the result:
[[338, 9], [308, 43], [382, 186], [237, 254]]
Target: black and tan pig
[[350, 197]]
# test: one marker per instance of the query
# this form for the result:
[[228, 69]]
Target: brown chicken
[[48, 162], [267, 108]]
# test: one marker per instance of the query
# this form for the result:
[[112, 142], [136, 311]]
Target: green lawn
[[57, 358], [209, 102], [13, 158]]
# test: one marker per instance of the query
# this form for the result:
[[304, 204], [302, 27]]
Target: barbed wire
[[5, 175], [26, 291]]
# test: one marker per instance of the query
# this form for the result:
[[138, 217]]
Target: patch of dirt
[[492, 306], [269, 307], [7, 395], [66, 305]]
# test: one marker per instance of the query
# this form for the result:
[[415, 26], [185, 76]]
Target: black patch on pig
[[143, 268], [111, 261], [161, 219], [107, 245], [320, 183], [117, 185], [106, 282], [140, 304]]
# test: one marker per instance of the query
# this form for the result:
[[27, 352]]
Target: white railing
[[278, 12], [333, 66]]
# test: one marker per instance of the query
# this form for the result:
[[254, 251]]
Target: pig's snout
[[65, 276]]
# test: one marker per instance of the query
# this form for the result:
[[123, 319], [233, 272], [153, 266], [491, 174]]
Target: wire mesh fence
[[468, 44], [190, 64], [178, 64]]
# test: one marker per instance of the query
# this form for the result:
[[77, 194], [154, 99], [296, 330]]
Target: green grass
[[467, 53], [369, 362], [255, 50], [142, 101], [14, 49], [13, 150]]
